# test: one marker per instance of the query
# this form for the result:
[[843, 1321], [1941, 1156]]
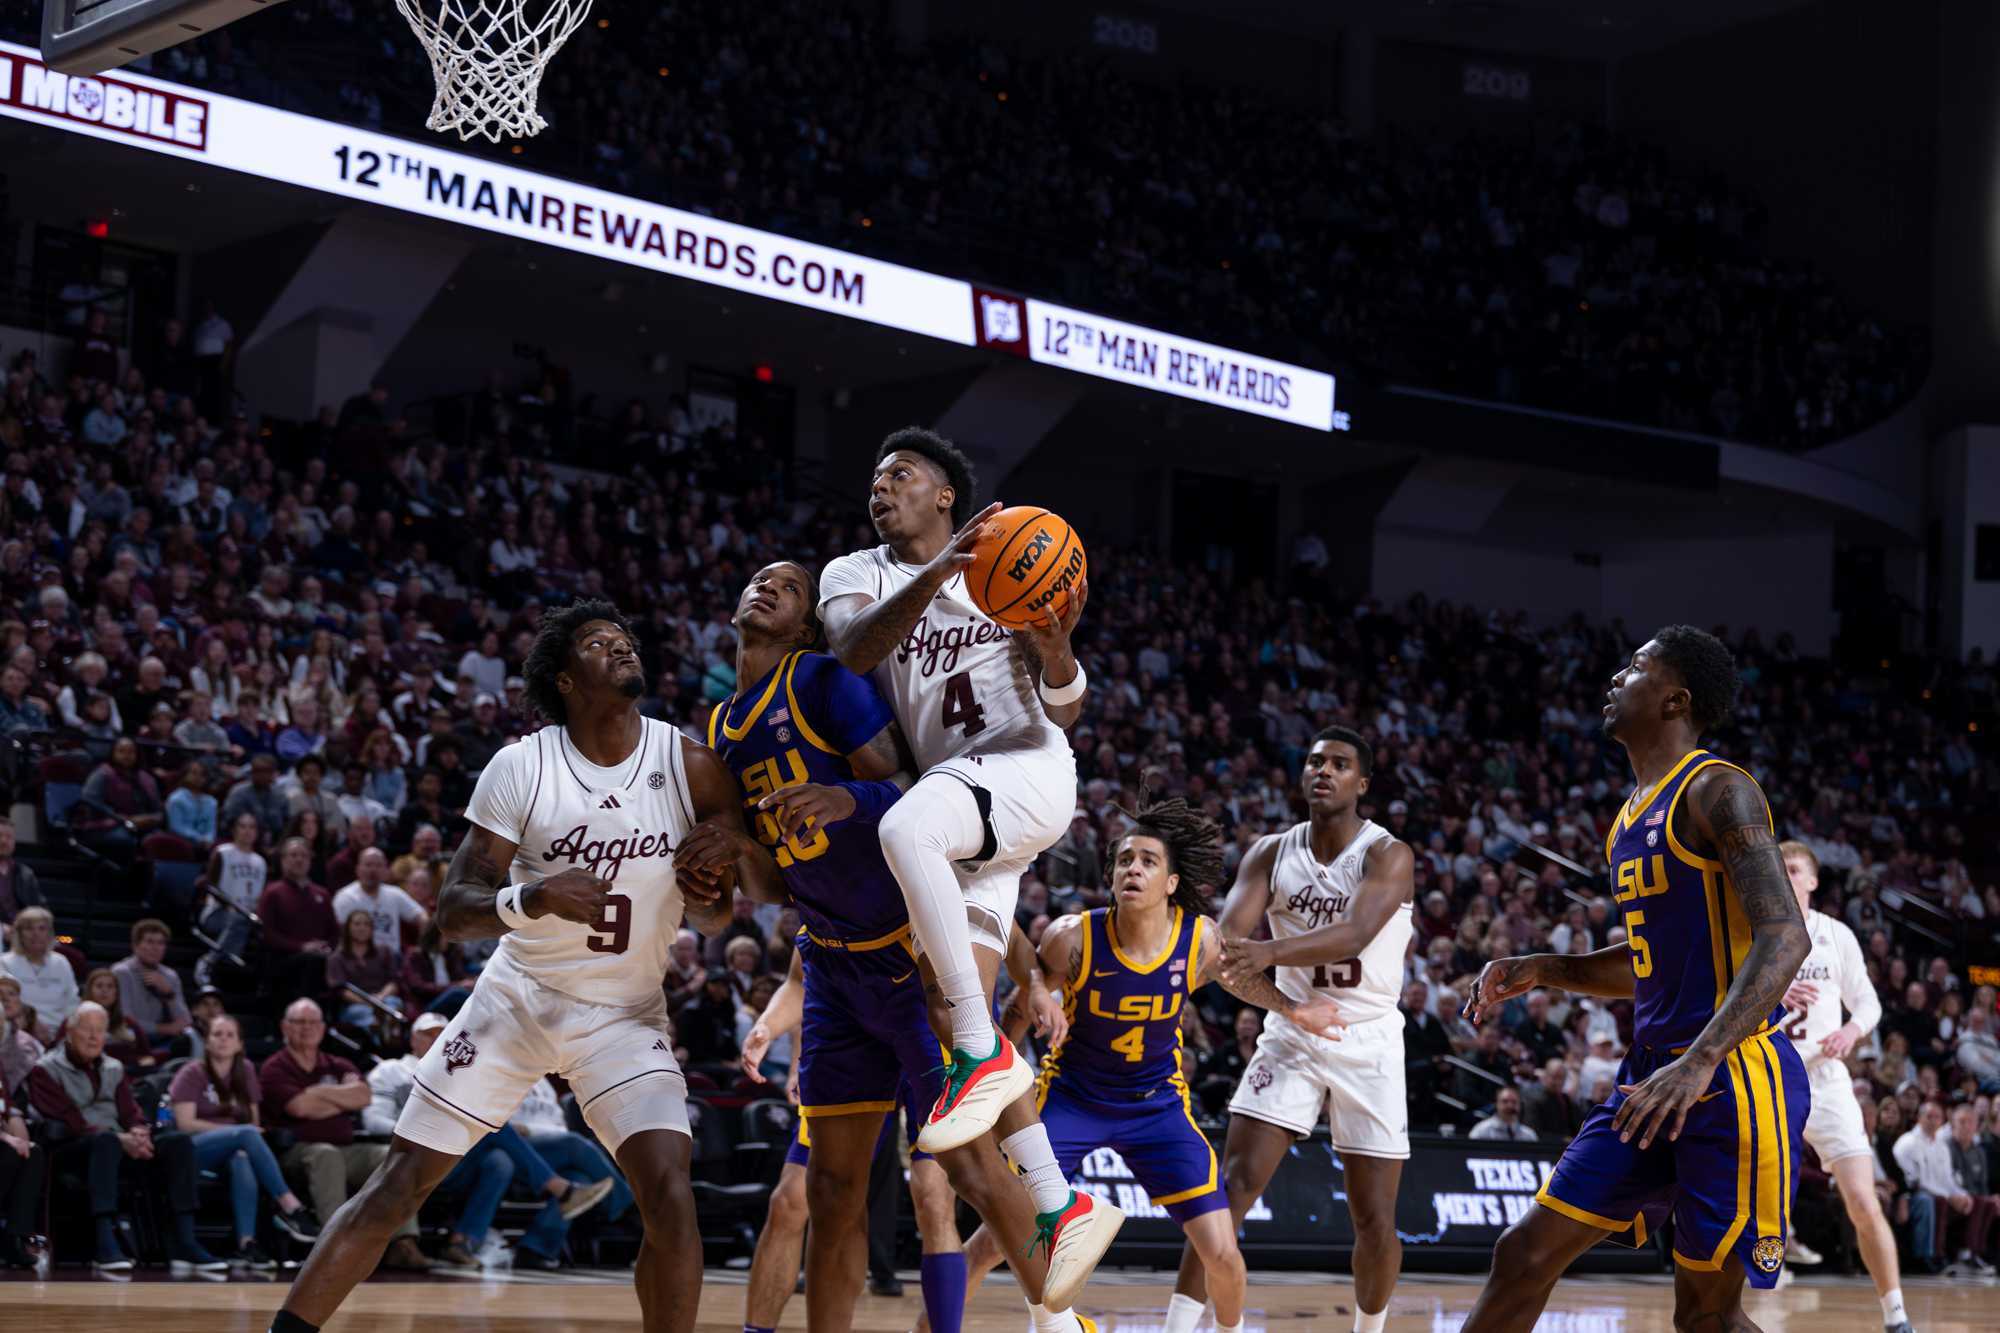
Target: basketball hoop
[[488, 56]]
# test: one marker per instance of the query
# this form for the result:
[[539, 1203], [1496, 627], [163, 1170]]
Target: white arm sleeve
[[499, 803], [848, 574], [1864, 1009]]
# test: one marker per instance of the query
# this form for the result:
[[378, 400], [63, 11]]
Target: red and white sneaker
[[975, 1092], [1075, 1238]]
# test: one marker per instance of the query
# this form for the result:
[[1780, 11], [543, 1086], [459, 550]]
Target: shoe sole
[[586, 1197], [963, 1127], [1065, 1284]]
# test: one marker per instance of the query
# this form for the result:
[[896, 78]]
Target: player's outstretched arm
[[1388, 877], [883, 771], [1729, 819], [719, 846], [781, 1014], [1032, 1001], [1318, 1015], [863, 631], [1606, 972], [466, 903]]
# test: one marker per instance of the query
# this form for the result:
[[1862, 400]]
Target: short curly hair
[[1704, 664], [943, 455], [555, 640]]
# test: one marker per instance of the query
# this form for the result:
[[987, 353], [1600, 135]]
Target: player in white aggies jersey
[[983, 709], [1337, 890], [580, 823], [1834, 975]]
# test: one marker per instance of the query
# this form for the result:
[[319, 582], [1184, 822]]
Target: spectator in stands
[[261, 798], [707, 1026], [1542, 1039], [487, 1169], [22, 1168], [367, 966], [299, 925], [388, 907], [685, 973], [582, 1164], [1549, 1107], [215, 1099], [234, 881], [1488, 1056], [19, 886], [1924, 1154], [1505, 1122], [1971, 1161], [18, 1048], [434, 973], [1978, 1053], [122, 1042], [315, 1094], [479, 739], [1425, 1046], [191, 811], [150, 990], [47, 981], [123, 805], [309, 771], [21, 713], [106, 1137]]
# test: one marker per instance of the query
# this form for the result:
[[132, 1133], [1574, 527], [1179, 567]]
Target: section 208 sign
[[161, 117]]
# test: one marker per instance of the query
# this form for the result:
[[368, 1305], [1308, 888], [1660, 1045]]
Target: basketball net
[[488, 57]]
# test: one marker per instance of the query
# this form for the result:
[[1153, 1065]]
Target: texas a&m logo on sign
[[999, 321]]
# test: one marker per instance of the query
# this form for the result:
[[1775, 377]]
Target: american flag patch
[[777, 716], [1178, 965], [1657, 817]]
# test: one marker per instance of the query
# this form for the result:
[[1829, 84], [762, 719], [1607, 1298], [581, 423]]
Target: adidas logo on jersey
[[610, 803]]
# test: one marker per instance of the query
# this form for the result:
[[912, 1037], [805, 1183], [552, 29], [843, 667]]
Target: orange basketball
[[1025, 567]]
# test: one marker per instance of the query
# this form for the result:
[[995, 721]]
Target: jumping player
[[1711, 1098], [817, 751], [603, 797], [1337, 890], [983, 708], [1833, 974], [1116, 1080]]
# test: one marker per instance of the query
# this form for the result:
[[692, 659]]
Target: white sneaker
[[1797, 1252], [1075, 1238], [975, 1092], [582, 1198]]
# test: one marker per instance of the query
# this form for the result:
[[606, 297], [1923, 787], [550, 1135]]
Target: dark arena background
[[1401, 364]]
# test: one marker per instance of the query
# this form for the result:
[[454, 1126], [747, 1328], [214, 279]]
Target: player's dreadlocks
[[1193, 842]]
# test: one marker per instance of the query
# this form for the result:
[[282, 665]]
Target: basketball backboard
[[91, 36]]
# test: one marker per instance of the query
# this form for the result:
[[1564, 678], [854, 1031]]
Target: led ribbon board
[[142, 112]]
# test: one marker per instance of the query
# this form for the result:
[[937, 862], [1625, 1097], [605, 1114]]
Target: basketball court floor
[[582, 1302]]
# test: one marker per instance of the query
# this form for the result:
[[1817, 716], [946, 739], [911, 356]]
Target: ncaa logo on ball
[[458, 1053], [1031, 555], [1768, 1253]]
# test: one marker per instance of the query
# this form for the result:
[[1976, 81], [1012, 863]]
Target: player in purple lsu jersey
[[1712, 1098], [1115, 1081], [817, 752]]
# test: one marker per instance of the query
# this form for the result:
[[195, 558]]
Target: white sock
[[1029, 1150], [1892, 1309], [934, 824], [1045, 1322], [1183, 1313], [1369, 1323], [1236, 1327]]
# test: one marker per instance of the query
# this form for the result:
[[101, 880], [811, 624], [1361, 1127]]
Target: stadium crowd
[[287, 670], [1578, 272]]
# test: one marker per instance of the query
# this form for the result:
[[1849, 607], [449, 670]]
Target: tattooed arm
[[1728, 819], [1606, 972], [863, 632], [480, 870], [1318, 1015], [1049, 657], [1060, 956]]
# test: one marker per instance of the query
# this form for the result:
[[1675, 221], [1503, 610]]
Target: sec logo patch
[[656, 780]]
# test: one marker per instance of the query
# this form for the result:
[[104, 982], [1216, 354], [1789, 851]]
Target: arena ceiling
[[1574, 29]]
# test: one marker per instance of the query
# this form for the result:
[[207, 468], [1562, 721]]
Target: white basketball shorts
[[1358, 1080], [1833, 1126], [1032, 795], [514, 1030]]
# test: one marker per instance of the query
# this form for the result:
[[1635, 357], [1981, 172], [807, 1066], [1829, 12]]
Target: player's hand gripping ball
[[1025, 567]]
